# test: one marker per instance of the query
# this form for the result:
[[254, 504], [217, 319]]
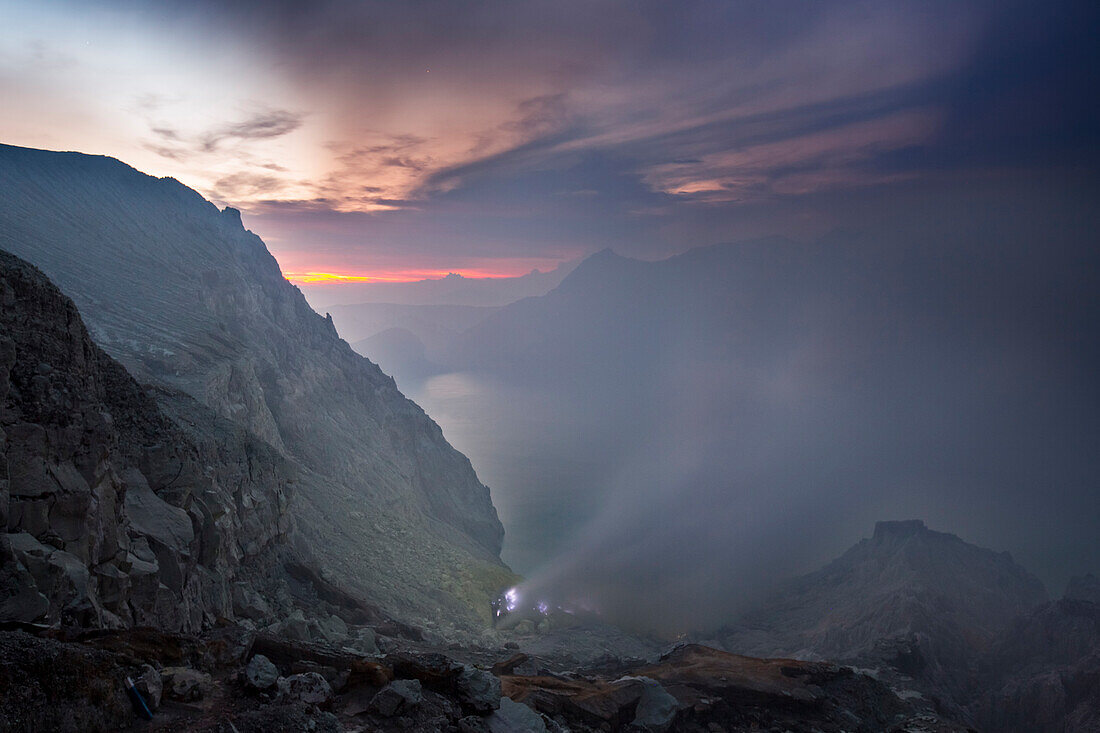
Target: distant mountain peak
[[605, 254], [906, 579], [901, 528], [232, 216], [1084, 588]]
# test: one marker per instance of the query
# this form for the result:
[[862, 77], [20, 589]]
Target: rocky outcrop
[[1083, 588], [190, 301], [696, 688], [115, 515], [1043, 674], [232, 679], [961, 628], [920, 602]]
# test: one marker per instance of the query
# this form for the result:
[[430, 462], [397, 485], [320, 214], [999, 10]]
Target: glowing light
[[327, 277], [313, 277], [544, 607], [511, 599]]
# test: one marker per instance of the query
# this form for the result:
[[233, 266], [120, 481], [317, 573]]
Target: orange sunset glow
[[406, 276]]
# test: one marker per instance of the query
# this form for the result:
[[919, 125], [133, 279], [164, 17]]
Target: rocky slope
[[1043, 674], [187, 299], [941, 620], [920, 603], [905, 581], [114, 515], [233, 680]]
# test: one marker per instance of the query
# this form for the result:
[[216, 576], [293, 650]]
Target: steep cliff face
[[185, 297], [113, 515]]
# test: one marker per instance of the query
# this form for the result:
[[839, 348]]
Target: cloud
[[260, 126], [167, 133], [234, 157], [798, 164], [172, 153], [538, 116], [246, 185], [686, 118]]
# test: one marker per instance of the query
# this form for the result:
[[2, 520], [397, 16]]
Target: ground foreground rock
[[218, 682]]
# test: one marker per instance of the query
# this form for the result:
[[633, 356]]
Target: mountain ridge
[[185, 297]]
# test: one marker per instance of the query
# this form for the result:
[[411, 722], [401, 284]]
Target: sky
[[397, 141]]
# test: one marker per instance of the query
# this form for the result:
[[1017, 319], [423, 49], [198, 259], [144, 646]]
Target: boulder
[[26, 604], [436, 671], [509, 665], [656, 709], [296, 627], [154, 517], [59, 576], [260, 673], [514, 717], [333, 628], [308, 687], [365, 641], [184, 683], [150, 686], [477, 690], [399, 696], [249, 604], [472, 724]]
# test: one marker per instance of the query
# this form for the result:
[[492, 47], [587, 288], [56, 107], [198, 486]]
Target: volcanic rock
[[477, 690], [247, 603], [925, 603], [192, 303], [261, 673], [308, 687], [514, 717], [709, 686], [150, 685], [117, 513], [183, 683], [397, 697], [1044, 673], [656, 709], [47, 685]]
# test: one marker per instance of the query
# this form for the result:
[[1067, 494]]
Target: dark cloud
[[723, 105], [171, 153], [246, 185], [260, 126], [166, 133], [539, 116]]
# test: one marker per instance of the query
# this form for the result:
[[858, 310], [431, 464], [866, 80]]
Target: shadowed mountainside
[[184, 297], [1043, 674], [927, 601], [117, 515], [963, 627]]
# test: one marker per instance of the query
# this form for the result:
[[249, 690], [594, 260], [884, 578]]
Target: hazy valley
[[617, 367]]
